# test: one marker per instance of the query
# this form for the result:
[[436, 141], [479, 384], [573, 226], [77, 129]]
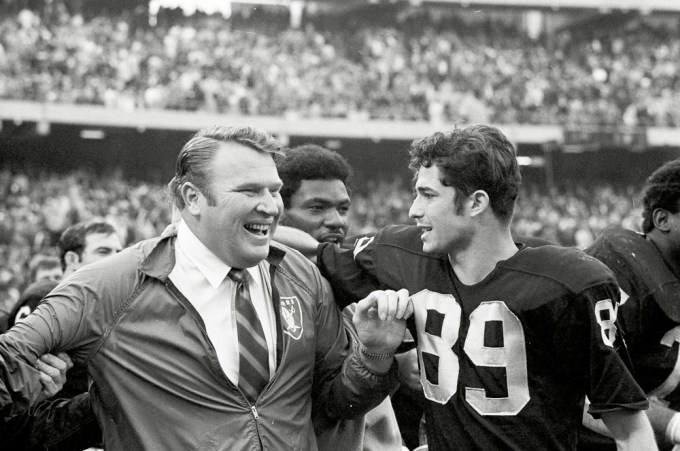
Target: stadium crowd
[[35, 209], [417, 68]]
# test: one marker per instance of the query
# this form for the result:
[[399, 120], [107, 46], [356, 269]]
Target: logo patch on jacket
[[291, 317]]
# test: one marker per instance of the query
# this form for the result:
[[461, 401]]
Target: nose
[[268, 204], [415, 211], [334, 219]]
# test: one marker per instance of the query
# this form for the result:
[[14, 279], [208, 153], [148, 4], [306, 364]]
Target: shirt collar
[[209, 264]]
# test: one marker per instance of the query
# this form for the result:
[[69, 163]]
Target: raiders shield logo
[[291, 317]]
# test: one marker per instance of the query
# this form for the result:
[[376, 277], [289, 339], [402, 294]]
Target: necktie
[[252, 347]]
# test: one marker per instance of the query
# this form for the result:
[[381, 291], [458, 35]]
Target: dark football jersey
[[30, 299], [505, 363], [649, 312]]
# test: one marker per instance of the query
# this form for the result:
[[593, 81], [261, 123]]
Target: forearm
[[298, 240], [665, 422], [595, 425], [631, 430], [20, 385], [359, 388]]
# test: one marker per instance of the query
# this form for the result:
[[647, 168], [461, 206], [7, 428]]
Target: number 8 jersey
[[505, 363], [650, 314]]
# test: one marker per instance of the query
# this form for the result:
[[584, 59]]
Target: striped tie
[[252, 347]]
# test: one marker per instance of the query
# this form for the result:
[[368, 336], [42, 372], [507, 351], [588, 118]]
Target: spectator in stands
[[316, 200], [406, 69], [139, 320]]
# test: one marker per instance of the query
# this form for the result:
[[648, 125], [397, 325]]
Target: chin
[[252, 257]]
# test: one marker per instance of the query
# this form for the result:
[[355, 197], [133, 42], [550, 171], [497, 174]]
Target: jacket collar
[[161, 259]]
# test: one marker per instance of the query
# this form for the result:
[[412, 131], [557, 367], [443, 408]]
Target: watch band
[[375, 356]]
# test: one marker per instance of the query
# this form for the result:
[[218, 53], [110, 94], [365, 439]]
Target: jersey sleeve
[[588, 339], [351, 271]]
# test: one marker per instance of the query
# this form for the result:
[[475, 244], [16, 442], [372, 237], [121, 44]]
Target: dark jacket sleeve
[[350, 271], [54, 425], [69, 319], [343, 386]]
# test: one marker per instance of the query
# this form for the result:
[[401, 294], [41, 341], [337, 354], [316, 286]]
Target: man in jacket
[[162, 329]]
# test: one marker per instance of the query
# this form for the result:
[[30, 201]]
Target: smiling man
[[210, 336], [510, 339], [315, 192]]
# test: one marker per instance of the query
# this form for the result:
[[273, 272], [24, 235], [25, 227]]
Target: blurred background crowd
[[417, 65]]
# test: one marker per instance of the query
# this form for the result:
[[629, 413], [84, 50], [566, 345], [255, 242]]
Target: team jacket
[[505, 363], [157, 382]]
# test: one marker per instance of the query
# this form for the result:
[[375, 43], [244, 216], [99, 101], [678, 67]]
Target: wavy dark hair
[[478, 157], [310, 162]]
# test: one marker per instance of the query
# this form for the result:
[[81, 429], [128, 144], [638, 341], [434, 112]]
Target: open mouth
[[335, 238], [424, 230], [258, 229]]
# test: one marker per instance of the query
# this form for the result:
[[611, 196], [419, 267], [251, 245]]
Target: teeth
[[259, 228]]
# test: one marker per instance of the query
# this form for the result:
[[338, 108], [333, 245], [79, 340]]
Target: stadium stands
[[414, 68]]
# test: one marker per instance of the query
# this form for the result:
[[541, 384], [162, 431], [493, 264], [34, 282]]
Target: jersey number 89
[[437, 336]]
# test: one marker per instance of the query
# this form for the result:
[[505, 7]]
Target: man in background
[[647, 268], [316, 199], [44, 267], [80, 244]]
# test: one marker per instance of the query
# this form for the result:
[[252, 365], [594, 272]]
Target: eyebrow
[[425, 189], [251, 185], [106, 248], [324, 201]]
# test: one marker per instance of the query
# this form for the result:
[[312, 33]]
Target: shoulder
[[295, 268], [120, 273], [569, 267], [617, 240], [530, 241], [403, 239], [630, 255]]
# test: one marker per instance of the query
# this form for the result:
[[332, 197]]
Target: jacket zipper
[[253, 409], [256, 415]]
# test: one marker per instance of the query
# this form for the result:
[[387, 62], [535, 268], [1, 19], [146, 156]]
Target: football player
[[510, 339], [647, 268]]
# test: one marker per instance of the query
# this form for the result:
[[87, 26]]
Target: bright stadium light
[[92, 134], [536, 162]]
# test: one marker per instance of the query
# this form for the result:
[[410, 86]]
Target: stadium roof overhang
[[646, 5]]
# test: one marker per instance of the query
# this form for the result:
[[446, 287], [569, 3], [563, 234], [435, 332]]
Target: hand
[[408, 369], [380, 320], [53, 372]]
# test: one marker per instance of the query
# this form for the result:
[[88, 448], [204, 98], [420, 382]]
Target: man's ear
[[660, 219], [479, 202], [192, 197], [72, 259]]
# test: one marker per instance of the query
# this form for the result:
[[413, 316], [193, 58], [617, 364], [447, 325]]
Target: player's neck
[[479, 259], [667, 251]]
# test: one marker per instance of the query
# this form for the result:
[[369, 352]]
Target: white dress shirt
[[202, 278]]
